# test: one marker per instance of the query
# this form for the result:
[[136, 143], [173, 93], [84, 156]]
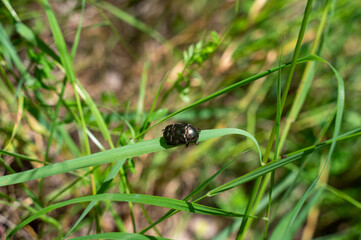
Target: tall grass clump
[[87, 87]]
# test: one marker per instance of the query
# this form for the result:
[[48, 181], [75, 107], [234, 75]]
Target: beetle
[[181, 133]]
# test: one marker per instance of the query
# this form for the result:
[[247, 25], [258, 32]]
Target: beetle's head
[[192, 134]]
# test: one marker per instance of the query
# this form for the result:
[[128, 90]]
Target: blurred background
[[124, 44]]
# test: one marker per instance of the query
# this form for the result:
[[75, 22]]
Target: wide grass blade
[[134, 198], [133, 150]]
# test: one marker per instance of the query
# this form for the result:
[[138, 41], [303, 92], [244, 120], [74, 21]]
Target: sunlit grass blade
[[107, 181], [67, 63], [189, 196], [21, 156], [306, 80], [236, 86], [16, 126], [276, 153], [336, 131], [55, 119], [78, 31], [69, 70], [281, 162], [11, 56], [149, 116], [344, 196], [96, 113], [11, 10], [142, 91], [137, 149], [134, 198]]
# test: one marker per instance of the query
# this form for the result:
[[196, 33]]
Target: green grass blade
[[305, 82], [60, 43], [93, 108], [142, 90], [55, 119], [155, 145], [20, 156], [149, 116], [9, 50], [344, 196], [189, 196], [96, 114], [25, 32], [281, 162], [236, 86], [290, 74], [282, 225], [67, 63], [11, 10], [78, 31], [339, 113], [134, 198], [137, 149], [111, 175], [132, 21]]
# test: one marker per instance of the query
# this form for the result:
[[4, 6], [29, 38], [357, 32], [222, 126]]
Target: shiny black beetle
[[181, 133]]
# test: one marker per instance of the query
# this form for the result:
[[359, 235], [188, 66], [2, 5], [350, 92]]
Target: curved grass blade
[[133, 150], [134, 198], [107, 181], [189, 196], [235, 86], [339, 113], [281, 162], [67, 63], [21, 156]]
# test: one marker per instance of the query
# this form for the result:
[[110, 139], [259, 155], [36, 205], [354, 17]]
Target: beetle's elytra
[[181, 133]]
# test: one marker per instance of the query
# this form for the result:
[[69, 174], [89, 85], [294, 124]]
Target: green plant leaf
[[134, 198], [132, 150]]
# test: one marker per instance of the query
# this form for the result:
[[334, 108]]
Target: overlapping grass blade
[[338, 120], [237, 85], [67, 63], [134, 198], [12, 57], [107, 181], [189, 196], [137, 149], [281, 162]]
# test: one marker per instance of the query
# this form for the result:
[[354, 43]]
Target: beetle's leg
[[187, 144]]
